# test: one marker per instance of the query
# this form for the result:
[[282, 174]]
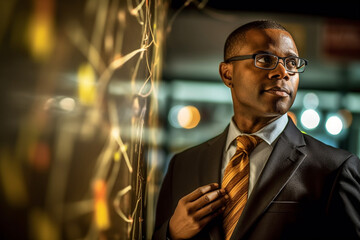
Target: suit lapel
[[282, 164], [210, 172], [211, 160]]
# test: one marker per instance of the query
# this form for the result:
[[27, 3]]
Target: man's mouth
[[278, 91]]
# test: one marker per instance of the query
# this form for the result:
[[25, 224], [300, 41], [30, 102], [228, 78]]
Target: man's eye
[[265, 60], [292, 62]]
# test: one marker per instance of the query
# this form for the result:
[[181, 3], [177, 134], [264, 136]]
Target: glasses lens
[[266, 61], [295, 64]]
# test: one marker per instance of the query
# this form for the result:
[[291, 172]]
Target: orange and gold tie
[[236, 181]]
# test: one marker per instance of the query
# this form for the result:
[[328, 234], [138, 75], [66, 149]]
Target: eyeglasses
[[269, 61]]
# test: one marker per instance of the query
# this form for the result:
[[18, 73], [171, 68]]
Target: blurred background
[[97, 96], [327, 105]]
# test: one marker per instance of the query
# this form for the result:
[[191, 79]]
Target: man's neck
[[250, 125]]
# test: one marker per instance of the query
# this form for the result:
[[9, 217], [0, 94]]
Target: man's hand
[[197, 209]]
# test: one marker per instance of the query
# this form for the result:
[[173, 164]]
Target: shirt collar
[[269, 133]]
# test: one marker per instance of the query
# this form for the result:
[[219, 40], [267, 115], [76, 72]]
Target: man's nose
[[279, 72]]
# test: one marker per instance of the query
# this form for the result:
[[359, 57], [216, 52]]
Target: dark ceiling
[[334, 9]]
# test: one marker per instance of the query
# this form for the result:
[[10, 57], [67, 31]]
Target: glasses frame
[[253, 56]]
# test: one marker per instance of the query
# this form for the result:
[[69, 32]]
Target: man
[[287, 186]]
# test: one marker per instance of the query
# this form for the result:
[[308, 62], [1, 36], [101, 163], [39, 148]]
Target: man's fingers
[[200, 191], [212, 208], [206, 199], [195, 210]]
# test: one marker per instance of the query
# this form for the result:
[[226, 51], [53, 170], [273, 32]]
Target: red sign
[[342, 39]]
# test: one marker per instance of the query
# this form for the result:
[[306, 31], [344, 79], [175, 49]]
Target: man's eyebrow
[[262, 51], [288, 54], [291, 54]]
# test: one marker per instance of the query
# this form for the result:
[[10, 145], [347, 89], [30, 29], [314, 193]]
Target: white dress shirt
[[259, 156]]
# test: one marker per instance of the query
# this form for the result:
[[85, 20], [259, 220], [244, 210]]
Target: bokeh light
[[173, 116], [102, 220], [188, 117], [67, 104], [310, 119], [334, 125], [86, 84], [311, 100], [41, 32]]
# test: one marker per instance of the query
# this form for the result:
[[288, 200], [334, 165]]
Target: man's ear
[[225, 70]]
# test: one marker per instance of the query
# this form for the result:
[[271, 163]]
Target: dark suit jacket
[[307, 190]]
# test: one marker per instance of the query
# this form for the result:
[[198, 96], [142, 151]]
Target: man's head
[[237, 37], [259, 92]]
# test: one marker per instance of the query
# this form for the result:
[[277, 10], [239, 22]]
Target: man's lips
[[278, 91]]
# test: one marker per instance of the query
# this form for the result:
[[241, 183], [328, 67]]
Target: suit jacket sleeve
[[344, 204], [165, 206]]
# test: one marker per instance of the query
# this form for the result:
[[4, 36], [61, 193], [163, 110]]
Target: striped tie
[[236, 181]]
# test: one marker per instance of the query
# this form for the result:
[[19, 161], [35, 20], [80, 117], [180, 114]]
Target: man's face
[[259, 92]]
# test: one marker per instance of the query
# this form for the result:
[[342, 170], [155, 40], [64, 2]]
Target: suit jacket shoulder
[[328, 156]]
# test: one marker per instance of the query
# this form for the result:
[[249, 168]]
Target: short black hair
[[239, 34]]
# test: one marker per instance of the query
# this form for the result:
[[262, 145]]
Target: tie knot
[[247, 143]]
